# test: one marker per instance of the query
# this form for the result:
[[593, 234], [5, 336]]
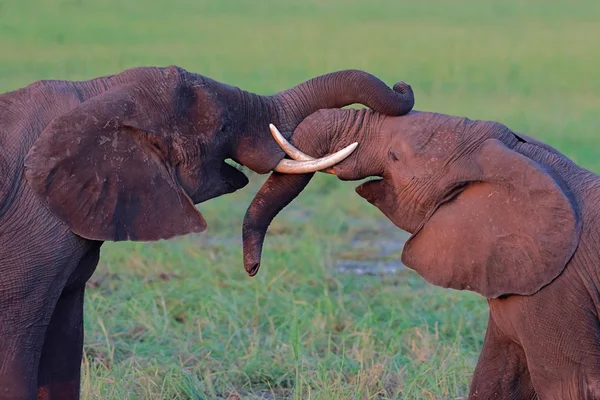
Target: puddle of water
[[372, 248], [370, 268], [372, 251]]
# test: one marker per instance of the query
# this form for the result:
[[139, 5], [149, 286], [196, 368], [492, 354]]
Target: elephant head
[[134, 152], [489, 210]]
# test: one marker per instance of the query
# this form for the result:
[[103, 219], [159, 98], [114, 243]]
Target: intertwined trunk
[[323, 132], [254, 147], [257, 150]]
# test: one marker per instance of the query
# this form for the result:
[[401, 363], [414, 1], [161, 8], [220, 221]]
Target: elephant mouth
[[368, 189], [227, 180], [232, 175]]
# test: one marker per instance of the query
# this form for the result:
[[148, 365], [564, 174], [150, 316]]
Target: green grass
[[180, 319]]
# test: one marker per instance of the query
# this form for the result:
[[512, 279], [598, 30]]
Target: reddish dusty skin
[[280, 189], [491, 211]]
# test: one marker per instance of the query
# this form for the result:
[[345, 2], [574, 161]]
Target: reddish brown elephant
[[124, 157], [490, 210]]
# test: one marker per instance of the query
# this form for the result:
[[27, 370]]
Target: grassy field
[[181, 319]]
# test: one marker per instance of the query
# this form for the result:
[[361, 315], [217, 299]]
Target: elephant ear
[[511, 233], [103, 170]]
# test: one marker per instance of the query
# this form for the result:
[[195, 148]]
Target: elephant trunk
[[259, 152], [275, 194], [323, 132], [343, 88]]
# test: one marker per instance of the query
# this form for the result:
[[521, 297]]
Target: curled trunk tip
[[252, 245], [276, 193]]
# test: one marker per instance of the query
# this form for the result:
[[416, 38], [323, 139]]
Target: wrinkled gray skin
[[123, 157], [489, 210]]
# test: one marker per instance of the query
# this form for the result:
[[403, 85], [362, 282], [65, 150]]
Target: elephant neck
[[251, 142]]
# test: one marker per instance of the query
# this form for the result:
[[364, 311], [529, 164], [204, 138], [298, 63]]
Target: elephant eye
[[225, 126], [155, 144]]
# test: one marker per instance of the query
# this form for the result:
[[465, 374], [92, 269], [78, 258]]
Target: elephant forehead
[[433, 144], [436, 144], [420, 157], [198, 109], [433, 133]]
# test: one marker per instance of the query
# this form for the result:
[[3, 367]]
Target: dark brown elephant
[[491, 211], [123, 157]]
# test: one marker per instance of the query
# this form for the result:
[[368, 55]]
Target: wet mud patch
[[374, 248], [364, 246], [369, 268]]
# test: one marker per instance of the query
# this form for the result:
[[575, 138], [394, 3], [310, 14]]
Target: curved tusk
[[287, 147], [291, 151], [309, 166]]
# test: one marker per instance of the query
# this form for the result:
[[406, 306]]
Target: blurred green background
[[331, 315]]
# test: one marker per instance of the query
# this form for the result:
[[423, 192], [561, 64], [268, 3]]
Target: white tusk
[[292, 151], [309, 166], [286, 146]]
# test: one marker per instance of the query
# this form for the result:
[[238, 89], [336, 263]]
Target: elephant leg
[[559, 331], [501, 371], [25, 311], [33, 276], [60, 365], [571, 373], [578, 386]]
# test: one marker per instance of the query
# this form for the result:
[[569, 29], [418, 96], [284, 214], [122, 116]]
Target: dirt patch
[[372, 268], [373, 250]]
